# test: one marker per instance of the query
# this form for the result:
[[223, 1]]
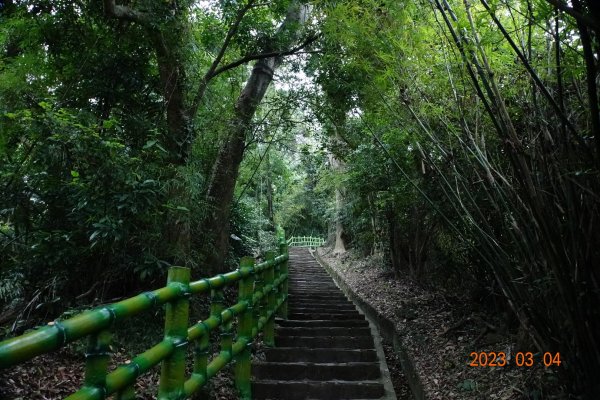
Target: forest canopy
[[457, 139]]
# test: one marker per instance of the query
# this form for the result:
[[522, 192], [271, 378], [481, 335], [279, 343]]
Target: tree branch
[[210, 73], [124, 12], [559, 111], [217, 71], [261, 56], [583, 18]]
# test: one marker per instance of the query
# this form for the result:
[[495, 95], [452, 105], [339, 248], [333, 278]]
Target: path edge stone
[[385, 327]]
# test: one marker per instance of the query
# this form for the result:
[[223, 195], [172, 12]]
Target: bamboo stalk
[[172, 376], [283, 272], [126, 394], [201, 356], [171, 350], [97, 359], [243, 363], [270, 301], [59, 333]]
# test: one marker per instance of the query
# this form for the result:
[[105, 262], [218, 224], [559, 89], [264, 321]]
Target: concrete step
[[318, 310], [312, 283], [310, 278], [295, 390], [325, 295], [320, 316], [297, 371], [323, 331], [295, 354], [320, 302], [321, 308], [324, 322], [325, 349], [296, 307], [317, 297], [315, 292], [329, 342]]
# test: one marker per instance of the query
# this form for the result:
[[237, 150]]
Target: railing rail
[[305, 241], [262, 295]]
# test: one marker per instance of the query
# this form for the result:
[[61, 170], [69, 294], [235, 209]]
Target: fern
[[11, 287]]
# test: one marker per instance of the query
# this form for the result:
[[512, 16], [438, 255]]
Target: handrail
[[262, 295], [305, 241]]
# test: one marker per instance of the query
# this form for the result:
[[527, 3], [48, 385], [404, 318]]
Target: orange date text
[[520, 359]]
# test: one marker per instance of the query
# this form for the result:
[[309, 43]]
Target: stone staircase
[[325, 349]]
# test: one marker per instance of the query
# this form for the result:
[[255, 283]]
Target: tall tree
[[226, 168], [166, 28]]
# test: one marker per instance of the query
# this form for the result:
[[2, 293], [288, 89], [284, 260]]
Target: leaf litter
[[439, 331]]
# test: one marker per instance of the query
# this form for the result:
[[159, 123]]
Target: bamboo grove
[[472, 150], [458, 140]]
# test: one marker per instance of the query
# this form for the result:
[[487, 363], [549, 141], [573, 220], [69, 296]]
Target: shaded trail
[[325, 349]]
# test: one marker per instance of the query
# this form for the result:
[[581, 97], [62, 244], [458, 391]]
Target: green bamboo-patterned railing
[[262, 295], [305, 241]]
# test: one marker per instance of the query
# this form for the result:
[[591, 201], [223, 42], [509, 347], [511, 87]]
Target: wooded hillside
[[457, 139]]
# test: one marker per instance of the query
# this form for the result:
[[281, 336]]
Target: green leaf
[[109, 123], [74, 174], [149, 144], [45, 105], [468, 385]]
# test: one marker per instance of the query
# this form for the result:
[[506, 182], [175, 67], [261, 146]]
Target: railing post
[[201, 352], [283, 270], [276, 275], [201, 362], [271, 301], [97, 359], [257, 312], [202, 348], [245, 323], [126, 394], [172, 375], [225, 330]]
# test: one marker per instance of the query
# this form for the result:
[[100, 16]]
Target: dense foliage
[[459, 140], [471, 148], [112, 119]]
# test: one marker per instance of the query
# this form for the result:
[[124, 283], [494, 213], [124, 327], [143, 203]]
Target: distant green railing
[[305, 241], [262, 295]]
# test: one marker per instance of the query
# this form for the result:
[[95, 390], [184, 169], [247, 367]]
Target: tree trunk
[[225, 170], [398, 255], [340, 246], [270, 209], [338, 167]]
